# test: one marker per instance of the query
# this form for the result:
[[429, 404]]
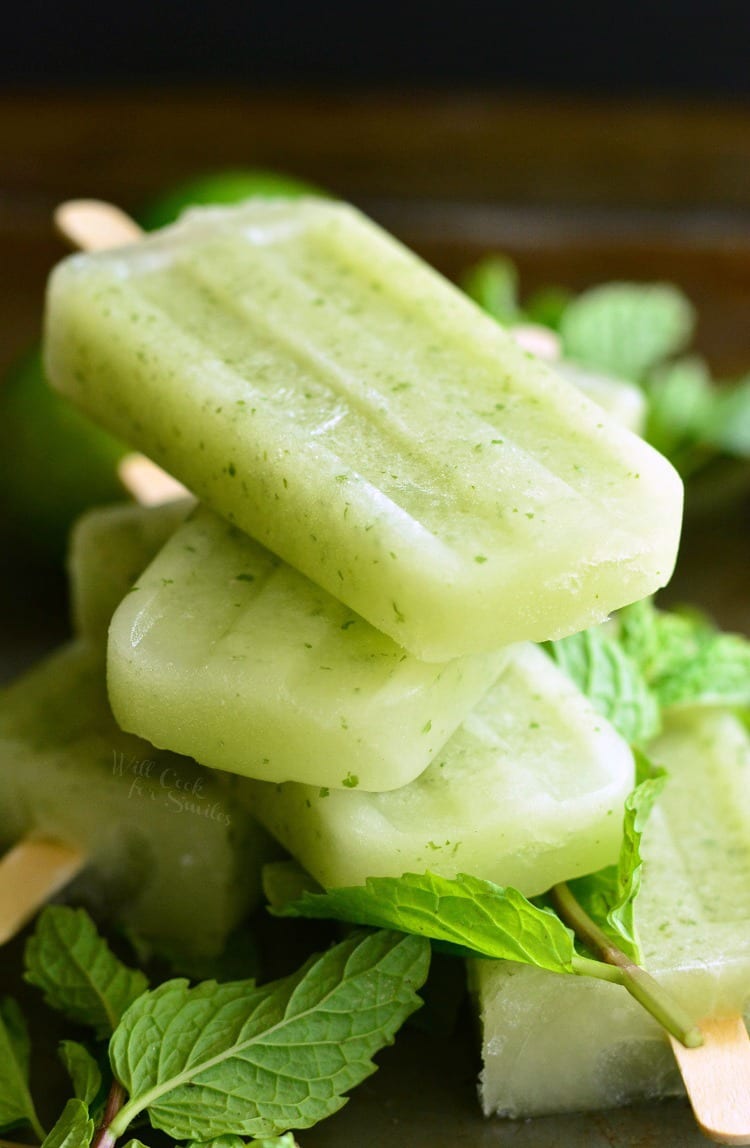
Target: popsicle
[[227, 654], [529, 791], [109, 548], [332, 396], [554, 1044], [165, 847]]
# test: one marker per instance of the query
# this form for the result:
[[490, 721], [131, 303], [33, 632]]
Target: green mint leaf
[[684, 658], [626, 329], [16, 1104], [680, 400], [219, 1142], [232, 1059], [139, 1144], [612, 681], [727, 424], [82, 1070], [475, 915], [609, 895], [77, 971], [74, 1129], [493, 284], [547, 306]]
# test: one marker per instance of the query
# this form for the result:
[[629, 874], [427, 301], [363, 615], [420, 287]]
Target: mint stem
[[640, 984], [104, 1136]]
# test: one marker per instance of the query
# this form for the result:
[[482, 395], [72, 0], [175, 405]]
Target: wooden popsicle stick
[[147, 482], [30, 873], [717, 1079], [93, 225]]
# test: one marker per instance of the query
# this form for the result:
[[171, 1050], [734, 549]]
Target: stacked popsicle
[[428, 493]]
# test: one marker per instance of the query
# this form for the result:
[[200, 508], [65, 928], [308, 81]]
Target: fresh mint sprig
[[684, 659], [469, 913], [608, 896], [605, 672], [627, 329], [482, 919], [222, 1059], [78, 972]]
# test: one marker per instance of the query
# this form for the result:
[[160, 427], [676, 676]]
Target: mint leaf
[[547, 306], [493, 284], [74, 1129], [233, 1059], [609, 895], [476, 915], [220, 1142], [626, 329], [82, 1069], [680, 400], [612, 680], [16, 1105], [77, 971], [684, 658], [727, 424]]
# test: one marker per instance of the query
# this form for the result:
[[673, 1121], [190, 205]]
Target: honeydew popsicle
[[334, 397], [165, 849], [558, 1044], [528, 792], [109, 548], [224, 652]]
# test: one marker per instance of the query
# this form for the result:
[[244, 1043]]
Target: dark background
[[671, 47]]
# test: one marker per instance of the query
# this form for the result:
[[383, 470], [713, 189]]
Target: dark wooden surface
[[577, 193]]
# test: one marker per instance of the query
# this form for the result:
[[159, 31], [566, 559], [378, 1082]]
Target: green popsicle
[[528, 792], [334, 397], [224, 652]]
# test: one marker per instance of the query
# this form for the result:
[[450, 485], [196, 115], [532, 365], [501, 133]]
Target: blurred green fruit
[[54, 463], [222, 188]]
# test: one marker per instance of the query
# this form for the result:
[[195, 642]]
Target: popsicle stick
[[717, 1079], [147, 482], [30, 873], [93, 225]]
